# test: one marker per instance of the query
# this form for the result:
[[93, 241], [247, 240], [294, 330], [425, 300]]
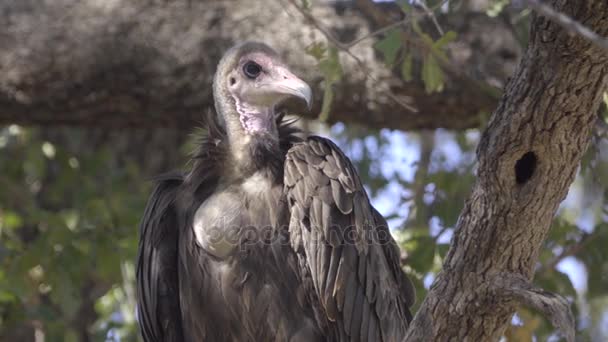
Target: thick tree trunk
[[124, 63], [528, 157]]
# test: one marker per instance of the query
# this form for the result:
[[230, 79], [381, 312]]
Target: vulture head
[[251, 80]]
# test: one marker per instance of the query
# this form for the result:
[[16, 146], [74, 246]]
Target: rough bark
[[120, 63], [528, 157]]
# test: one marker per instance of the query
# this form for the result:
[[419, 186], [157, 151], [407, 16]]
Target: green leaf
[[432, 75], [330, 66], [425, 37], [447, 38], [421, 252], [328, 98], [10, 220], [317, 50], [305, 4], [405, 5], [389, 46], [332, 71], [497, 7], [65, 294], [406, 68]]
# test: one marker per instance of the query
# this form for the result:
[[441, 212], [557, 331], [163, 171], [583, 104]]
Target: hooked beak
[[289, 84]]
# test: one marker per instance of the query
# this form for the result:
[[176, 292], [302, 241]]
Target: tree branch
[[516, 287], [568, 23], [528, 157], [138, 64]]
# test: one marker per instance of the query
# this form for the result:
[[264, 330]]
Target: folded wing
[[344, 246]]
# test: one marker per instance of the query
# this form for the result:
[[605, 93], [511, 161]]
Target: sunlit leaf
[[447, 38], [389, 46], [9, 221], [317, 50], [497, 7], [432, 75], [426, 38], [332, 71], [406, 68]]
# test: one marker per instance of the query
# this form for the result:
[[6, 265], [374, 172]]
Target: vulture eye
[[252, 69]]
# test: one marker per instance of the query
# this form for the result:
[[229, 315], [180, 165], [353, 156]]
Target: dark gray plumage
[[267, 237]]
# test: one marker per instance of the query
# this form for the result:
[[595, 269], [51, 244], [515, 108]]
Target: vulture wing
[[157, 262], [344, 246]]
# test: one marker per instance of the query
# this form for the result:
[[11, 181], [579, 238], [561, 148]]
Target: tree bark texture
[[528, 157], [125, 63]]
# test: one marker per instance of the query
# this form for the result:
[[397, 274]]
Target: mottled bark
[[528, 157], [119, 63]]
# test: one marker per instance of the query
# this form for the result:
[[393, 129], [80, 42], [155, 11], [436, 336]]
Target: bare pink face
[[262, 80]]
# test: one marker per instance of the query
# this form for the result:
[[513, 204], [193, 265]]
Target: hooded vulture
[[268, 236]]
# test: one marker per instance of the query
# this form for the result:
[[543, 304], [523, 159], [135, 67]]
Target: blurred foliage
[[328, 63], [67, 236], [69, 211]]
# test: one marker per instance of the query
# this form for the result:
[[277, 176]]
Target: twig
[[311, 19], [377, 32], [568, 23], [345, 48], [379, 18], [430, 13]]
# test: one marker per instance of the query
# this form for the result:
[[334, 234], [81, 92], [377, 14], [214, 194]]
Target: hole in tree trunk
[[525, 167]]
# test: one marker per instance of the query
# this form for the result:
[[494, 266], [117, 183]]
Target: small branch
[[430, 13], [421, 215], [379, 18], [555, 307], [345, 48], [313, 21], [377, 32], [568, 23]]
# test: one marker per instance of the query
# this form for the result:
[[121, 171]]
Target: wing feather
[[157, 262], [356, 275]]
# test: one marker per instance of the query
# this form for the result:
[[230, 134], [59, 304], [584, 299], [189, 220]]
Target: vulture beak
[[286, 83]]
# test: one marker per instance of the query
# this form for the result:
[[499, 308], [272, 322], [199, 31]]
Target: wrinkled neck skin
[[250, 130], [255, 119]]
